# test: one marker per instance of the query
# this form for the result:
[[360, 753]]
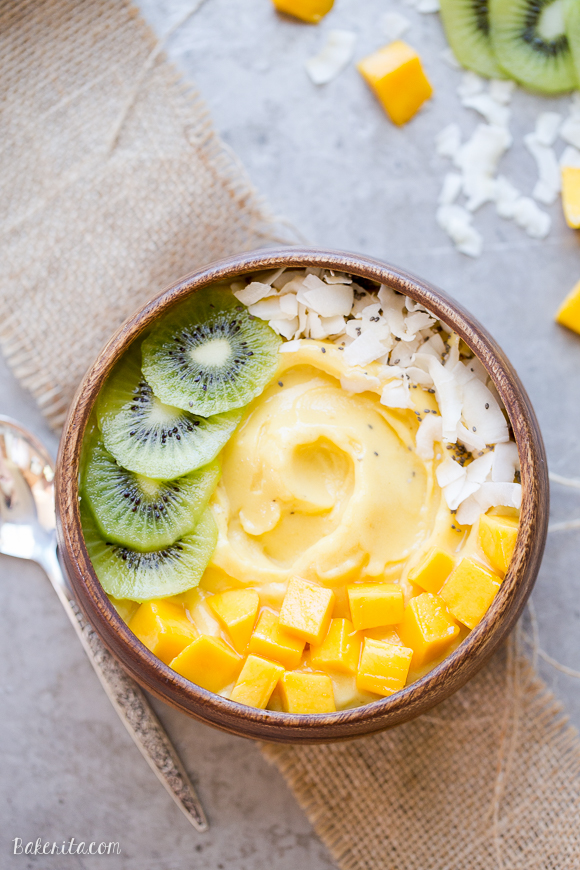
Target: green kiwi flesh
[[142, 513], [466, 24], [210, 355], [131, 574], [572, 20], [529, 40], [151, 438]]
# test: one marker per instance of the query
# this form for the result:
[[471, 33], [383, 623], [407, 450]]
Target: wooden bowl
[[439, 683]]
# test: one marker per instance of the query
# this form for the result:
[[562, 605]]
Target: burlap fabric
[[114, 183]]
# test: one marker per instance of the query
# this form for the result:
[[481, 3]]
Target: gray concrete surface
[[328, 160]]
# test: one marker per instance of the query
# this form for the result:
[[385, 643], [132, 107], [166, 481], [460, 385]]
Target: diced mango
[[307, 693], [568, 314], [433, 570], [373, 604], [497, 539], [306, 610], [257, 681], [396, 75], [209, 662], [271, 641], [571, 195], [469, 591], [236, 610], [163, 627], [427, 628], [339, 650], [383, 667], [310, 11]]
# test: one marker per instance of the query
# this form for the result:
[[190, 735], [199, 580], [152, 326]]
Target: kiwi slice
[[152, 439], [572, 22], [466, 24], [140, 512], [210, 354], [529, 40], [127, 573]]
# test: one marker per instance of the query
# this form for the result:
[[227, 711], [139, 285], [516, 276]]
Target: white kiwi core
[[148, 486], [551, 23], [212, 354]]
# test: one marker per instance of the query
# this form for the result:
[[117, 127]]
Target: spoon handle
[[133, 708]]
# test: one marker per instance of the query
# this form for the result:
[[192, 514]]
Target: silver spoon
[[27, 530]]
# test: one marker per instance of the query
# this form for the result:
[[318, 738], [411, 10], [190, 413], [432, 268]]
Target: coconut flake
[[547, 127], [457, 223], [452, 184], [337, 278], [570, 131], [364, 350], [448, 141], [428, 6], [470, 439], [449, 471], [532, 219], [478, 159], [396, 394], [470, 85], [549, 182], [290, 346], [448, 395], [570, 157], [334, 57], [506, 462], [327, 301], [429, 431], [359, 382], [269, 309], [394, 25], [482, 414], [287, 328], [506, 196], [492, 111], [501, 90], [487, 496], [253, 293]]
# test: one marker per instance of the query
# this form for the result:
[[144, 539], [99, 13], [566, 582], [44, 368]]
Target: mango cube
[[571, 195], [306, 610], [339, 650], [383, 667], [273, 642], [497, 539], [163, 627], [307, 693], [433, 570], [568, 314], [209, 662], [256, 682], [469, 591], [236, 610], [373, 604], [427, 628], [310, 11], [396, 75]]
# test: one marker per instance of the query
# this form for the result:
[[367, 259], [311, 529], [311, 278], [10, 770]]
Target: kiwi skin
[[466, 24]]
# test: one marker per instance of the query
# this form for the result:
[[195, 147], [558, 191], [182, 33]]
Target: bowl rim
[[419, 696]]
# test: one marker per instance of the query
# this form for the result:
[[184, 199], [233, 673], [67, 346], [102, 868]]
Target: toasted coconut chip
[[364, 350], [327, 301], [270, 309], [337, 278], [396, 394], [287, 328], [253, 293], [506, 462], [429, 431], [333, 58], [487, 496], [359, 382], [482, 414], [448, 394]]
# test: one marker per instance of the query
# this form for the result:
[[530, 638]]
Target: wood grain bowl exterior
[[415, 699]]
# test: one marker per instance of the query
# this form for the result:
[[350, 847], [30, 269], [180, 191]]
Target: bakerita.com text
[[66, 847]]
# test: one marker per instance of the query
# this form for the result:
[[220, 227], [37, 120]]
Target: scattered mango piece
[[163, 627], [306, 610], [427, 628], [256, 682], [497, 539], [383, 667], [209, 662], [339, 650], [236, 610], [568, 314], [469, 591], [311, 11], [571, 195], [373, 604], [273, 642], [433, 570], [396, 75], [307, 693]]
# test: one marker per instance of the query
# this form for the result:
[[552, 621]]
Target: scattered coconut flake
[[327, 301], [394, 25], [448, 141], [547, 127], [364, 350], [396, 394], [456, 222], [471, 84], [487, 496], [429, 431], [570, 131], [482, 414], [333, 58], [506, 462], [570, 157], [506, 196], [478, 159], [253, 292], [337, 278], [493, 112], [532, 219], [447, 393], [359, 382], [501, 90], [549, 182], [449, 58], [452, 184], [427, 6], [290, 346]]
